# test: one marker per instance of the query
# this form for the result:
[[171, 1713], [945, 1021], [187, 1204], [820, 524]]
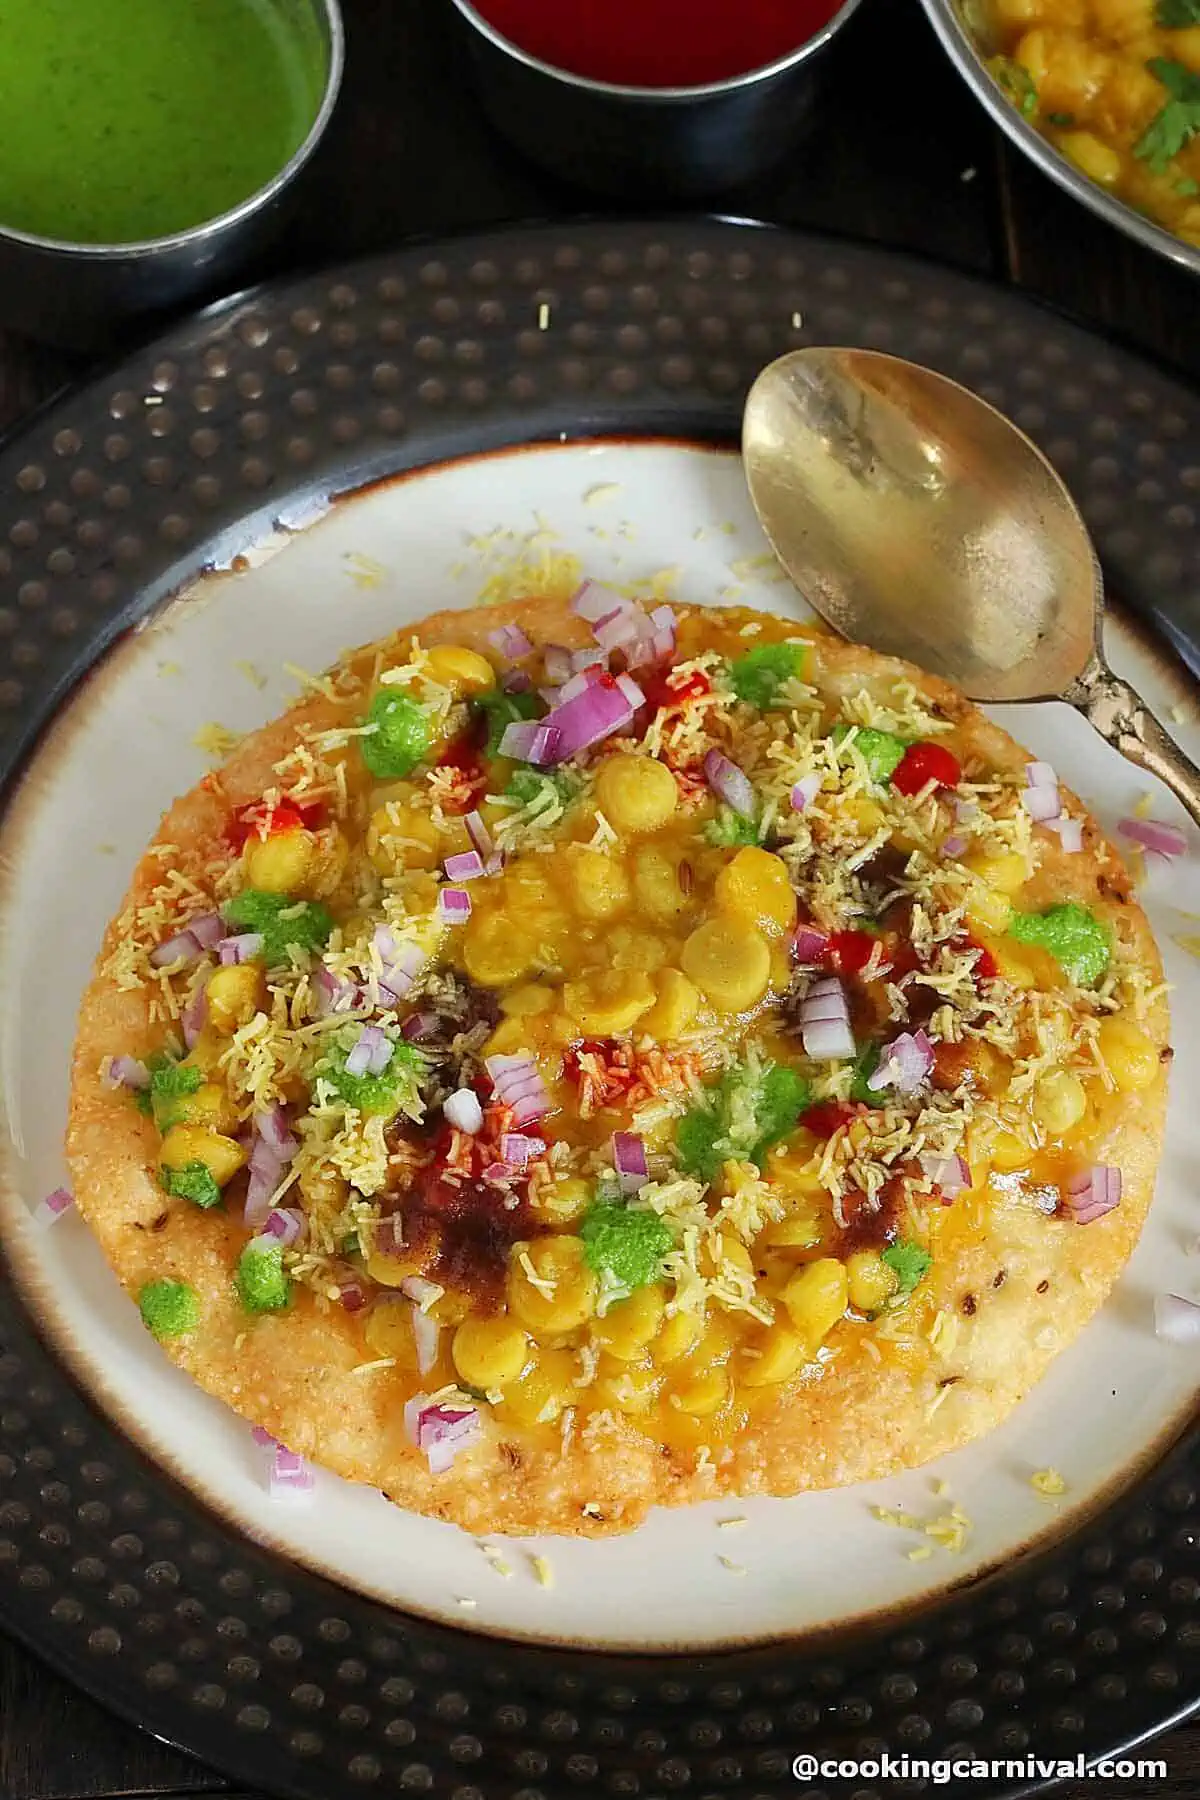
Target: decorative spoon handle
[[1121, 715]]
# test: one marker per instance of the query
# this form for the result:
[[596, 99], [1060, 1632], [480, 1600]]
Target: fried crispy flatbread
[[1009, 1288]]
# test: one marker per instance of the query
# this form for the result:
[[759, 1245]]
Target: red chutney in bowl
[[658, 43]]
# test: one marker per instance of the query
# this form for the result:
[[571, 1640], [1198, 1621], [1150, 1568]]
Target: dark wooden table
[[903, 155]]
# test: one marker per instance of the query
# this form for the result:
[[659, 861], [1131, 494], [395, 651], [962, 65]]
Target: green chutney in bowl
[[131, 120]]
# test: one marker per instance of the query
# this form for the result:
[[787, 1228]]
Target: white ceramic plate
[[123, 749]]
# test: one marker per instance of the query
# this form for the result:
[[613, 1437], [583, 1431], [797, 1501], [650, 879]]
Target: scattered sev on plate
[[591, 1056]]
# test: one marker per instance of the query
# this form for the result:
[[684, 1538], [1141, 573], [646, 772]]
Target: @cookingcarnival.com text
[[942, 1770]]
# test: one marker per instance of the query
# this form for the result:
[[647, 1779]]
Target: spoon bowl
[[917, 519]]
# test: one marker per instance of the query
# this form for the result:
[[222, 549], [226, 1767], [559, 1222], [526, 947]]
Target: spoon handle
[[1121, 715]]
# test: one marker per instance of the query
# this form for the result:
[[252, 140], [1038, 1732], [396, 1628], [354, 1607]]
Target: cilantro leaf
[[758, 676], [909, 1263], [748, 1111], [1174, 127], [527, 785], [625, 1245], [194, 1182], [1016, 81], [1177, 15], [283, 923], [730, 831], [1072, 934], [171, 1082], [403, 735], [502, 710], [882, 751], [865, 1065]]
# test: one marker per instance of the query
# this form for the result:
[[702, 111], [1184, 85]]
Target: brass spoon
[[917, 519]]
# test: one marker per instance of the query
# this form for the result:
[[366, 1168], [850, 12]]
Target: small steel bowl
[[681, 143], [88, 296], [962, 39]]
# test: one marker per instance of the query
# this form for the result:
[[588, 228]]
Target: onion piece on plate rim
[[1176, 1320], [1153, 835], [49, 1210], [289, 1476]]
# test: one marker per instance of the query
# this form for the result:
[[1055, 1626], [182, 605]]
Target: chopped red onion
[[519, 1086], [51, 1209], [729, 783], [531, 1108], [1041, 775], [498, 1174], [1152, 834], [127, 1071], [629, 1160], [420, 1025], [591, 601], [441, 1431], [1092, 1193], [479, 834], [1070, 832], [805, 791], [516, 1149], [427, 1334], [511, 641], [1041, 803], [965, 810], [559, 664], [576, 684], [331, 995], [208, 930], [284, 1224], [352, 1294], [262, 1437], [809, 945], [588, 659], [463, 1111], [183, 948], [243, 947], [274, 1128], [290, 1478], [453, 905], [603, 707], [527, 740], [495, 863], [400, 969], [904, 1064], [517, 681], [421, 1291], [1176, 1320], [949, 1173], [383, 939], [194, 1015], [954, 845], [358, 1059], [825, 1021], [467, 866]]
